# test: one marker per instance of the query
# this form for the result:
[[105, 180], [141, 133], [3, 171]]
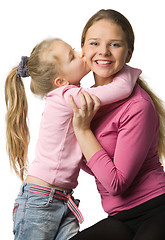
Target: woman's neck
[[99, 81]]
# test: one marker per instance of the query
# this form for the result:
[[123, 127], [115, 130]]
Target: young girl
[[45, 207]]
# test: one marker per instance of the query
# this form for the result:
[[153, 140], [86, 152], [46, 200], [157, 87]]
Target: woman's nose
[[104, 50]]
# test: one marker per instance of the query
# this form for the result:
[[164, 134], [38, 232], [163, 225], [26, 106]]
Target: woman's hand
[[81, 123], [82, 116]]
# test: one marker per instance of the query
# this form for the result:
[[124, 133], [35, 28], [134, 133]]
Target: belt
[[62, 196]]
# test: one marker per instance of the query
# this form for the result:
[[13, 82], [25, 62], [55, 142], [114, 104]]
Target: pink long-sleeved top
[[58, 155], [127, 169]]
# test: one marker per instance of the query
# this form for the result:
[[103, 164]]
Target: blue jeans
[[41, 217]]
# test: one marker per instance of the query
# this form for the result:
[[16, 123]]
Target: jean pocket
[[15, 210], [37, 201], [14, 214]]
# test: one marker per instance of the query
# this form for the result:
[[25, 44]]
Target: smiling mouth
[[101, 62]]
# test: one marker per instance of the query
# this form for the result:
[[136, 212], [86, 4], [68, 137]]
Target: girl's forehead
[[61, 51], [62, 45], [56, 49]]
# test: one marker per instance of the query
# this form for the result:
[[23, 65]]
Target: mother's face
[[106, 49]]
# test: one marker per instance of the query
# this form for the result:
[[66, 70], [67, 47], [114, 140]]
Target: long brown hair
[[119, 19], [43, 67]]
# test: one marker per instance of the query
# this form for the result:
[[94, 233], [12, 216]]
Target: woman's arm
[[81, 123], [138, 128], [85, 168]]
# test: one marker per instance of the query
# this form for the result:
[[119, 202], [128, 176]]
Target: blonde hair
[[43, 67], [119, 19]]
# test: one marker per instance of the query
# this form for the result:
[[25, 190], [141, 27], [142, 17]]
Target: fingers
[[90, 102], [86, 101], [97, 103], [83, 102], [73, 104]]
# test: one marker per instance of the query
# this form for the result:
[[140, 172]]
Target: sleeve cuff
[[95, 157]]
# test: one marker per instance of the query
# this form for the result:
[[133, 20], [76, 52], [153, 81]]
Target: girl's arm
[[120, 88]]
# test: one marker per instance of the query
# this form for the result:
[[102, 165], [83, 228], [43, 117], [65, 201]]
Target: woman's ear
[[129, 56], [82, 49], [59, 82]]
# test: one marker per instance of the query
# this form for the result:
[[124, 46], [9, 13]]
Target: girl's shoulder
[[61, 90]]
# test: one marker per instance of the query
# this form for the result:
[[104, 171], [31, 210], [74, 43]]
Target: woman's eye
[[94, 43], [115, 44]]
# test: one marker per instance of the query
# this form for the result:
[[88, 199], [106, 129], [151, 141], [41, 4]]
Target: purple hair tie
[[22, 70]]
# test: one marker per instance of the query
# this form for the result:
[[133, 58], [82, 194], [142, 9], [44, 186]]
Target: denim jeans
[[40, 217]]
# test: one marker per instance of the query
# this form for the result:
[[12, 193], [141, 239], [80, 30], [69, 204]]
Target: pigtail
[[17, 131]]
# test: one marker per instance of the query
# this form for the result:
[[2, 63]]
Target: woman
[[126, 141]]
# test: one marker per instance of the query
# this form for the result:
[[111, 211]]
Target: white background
[[25, 23]]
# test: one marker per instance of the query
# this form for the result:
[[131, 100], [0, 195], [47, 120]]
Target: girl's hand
[[82, 117]]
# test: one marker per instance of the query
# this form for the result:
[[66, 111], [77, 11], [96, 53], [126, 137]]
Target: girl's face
[[72, 64], [106, 50]]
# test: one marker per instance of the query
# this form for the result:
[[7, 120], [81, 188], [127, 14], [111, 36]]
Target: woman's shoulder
[[140, 100], [140, 95]]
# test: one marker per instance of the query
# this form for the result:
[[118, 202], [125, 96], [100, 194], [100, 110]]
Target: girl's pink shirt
[[127, 169], [58, 155]]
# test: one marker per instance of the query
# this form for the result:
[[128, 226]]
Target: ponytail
[[42, 71], [17, 131], [161, 112]]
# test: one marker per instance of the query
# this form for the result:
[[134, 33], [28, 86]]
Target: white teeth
[[103, 62]]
